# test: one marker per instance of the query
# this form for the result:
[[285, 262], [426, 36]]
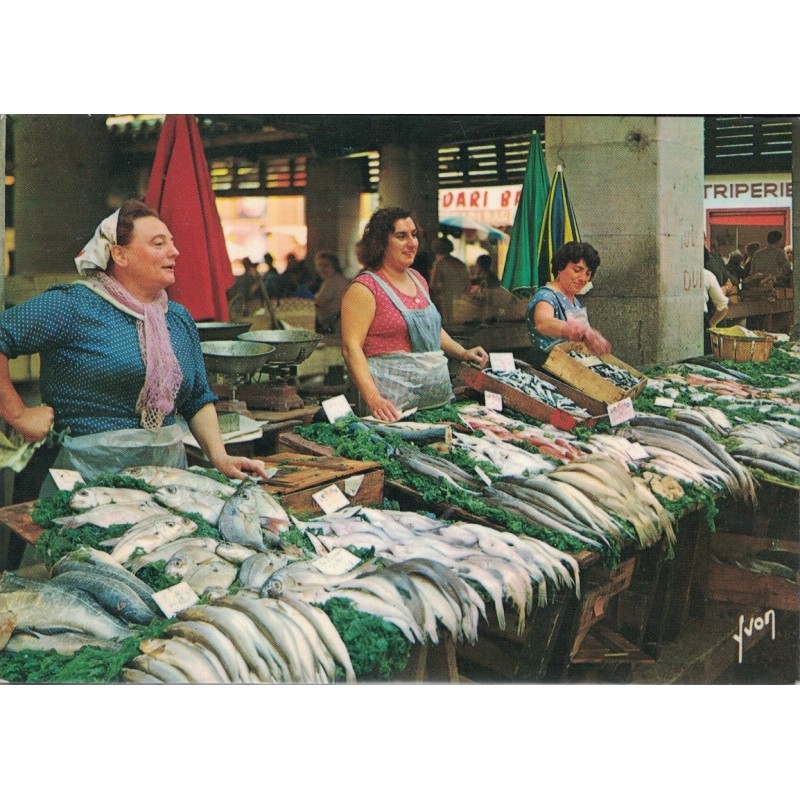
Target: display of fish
[[66, 643], [611, 372], [187, 500], [148, 534], [92, 496], [539, 389], [105, 516], [157, 476], [438, 468], [508, 458], [45, 607]]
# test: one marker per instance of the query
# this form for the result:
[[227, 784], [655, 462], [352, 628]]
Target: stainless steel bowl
[[291, 347], [216, 331], [235, 357]]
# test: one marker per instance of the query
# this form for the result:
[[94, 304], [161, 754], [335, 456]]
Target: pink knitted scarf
[[163, 374]]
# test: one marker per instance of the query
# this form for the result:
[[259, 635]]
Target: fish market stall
[[486, 544]]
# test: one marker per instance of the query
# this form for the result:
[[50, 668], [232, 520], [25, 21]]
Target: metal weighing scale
[[275, 387], [236, 362]]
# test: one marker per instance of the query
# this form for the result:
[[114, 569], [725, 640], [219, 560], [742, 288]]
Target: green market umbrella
[[520, 266], [559, 225]]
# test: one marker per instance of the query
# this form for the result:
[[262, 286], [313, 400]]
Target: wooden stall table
[[16, 520], [778, 314]]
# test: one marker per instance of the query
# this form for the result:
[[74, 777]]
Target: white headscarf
[[97, 250]]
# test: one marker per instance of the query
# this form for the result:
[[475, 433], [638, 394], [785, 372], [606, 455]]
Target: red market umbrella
[[180, 190]]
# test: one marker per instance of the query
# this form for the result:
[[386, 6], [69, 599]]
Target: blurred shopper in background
[[328, 299]]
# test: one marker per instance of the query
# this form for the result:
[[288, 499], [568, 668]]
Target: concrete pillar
[[409, 177], [61, 166], [333, 188], [636, 185]]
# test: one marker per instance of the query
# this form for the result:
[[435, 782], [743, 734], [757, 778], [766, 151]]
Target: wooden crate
[[301, 476], [727, 582], [605, 585], [513, 398], [560, 364]]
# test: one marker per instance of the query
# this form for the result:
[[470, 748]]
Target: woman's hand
[[240, 467], [384, 409], [477, 355], [33, 424], [597, 343]]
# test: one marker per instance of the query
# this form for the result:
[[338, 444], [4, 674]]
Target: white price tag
[[664, 402], [336, 407], [502, 361], [493, 401], [483, 476], [175, 598], [66, 478], [621, 412], [637, 452], [353, 484], [330, 499], [337, 562]]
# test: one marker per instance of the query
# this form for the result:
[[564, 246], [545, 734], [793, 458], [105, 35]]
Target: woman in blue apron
[[119, 361], [555, 313], [392, 338]]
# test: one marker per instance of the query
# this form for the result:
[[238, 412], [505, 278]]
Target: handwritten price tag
[[353, 484], [337, 562], [502, 361], [664, 402], [175, 598], [66, 478], [621, 412], [637, 452], [493, 401], [330, 499], [336, 407]]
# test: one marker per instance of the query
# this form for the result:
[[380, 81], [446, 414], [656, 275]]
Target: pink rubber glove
[[597, 343], [575, 330]]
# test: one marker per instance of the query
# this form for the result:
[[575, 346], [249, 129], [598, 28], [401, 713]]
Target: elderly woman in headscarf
[[119, 360]]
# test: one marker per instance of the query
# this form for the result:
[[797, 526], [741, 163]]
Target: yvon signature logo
[[757, 624]]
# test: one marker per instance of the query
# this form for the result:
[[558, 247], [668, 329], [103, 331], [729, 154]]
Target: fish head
[[81, 500], [176, 567]]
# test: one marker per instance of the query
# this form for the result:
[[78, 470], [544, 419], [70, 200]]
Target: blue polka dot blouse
[[91, 366]]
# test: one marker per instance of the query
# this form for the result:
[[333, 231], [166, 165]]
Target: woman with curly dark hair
[[392, 337], [555, 313]]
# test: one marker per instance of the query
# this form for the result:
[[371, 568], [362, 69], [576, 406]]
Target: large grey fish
[[240, 518], [45, 606], [199, 664], [111, 514], [272, 515], [188, 559], [174, 476], [191, 501], [114, 596], [150, 533], [93, 496], [212, 579], [255, 570], [99, 563], [165, 552]]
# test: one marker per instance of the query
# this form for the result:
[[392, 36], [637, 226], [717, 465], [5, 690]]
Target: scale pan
[[216, 331], [291, 347], [235, 357]]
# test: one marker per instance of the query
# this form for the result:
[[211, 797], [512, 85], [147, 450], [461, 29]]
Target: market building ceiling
[[326, 135]]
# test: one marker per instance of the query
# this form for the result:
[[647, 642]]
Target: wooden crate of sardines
[[536, 395], [605, 378]]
